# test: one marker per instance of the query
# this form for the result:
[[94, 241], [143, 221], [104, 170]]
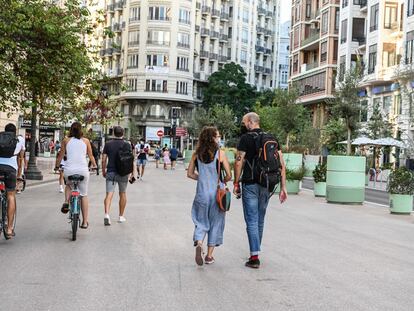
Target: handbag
[[223, 196]]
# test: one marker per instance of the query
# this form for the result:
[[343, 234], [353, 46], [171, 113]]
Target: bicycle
[[75, 203], [3, 203]]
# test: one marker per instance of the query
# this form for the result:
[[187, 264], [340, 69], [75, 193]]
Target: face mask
[[243, 129]]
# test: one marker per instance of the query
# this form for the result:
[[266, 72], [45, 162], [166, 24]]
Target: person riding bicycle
[[11, 166], [76, 148]]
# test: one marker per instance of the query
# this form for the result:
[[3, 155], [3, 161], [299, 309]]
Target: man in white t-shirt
[[11, 169], [141, 150]]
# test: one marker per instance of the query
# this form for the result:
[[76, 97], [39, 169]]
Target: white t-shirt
[[139, 150], [13, 160]]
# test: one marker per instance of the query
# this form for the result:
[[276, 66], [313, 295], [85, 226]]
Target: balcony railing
[[158, 42], [204, 54], [110, 7], [261, 11], [224, 37], [269, 14], [159, 18], [260, 29], [133, 43], [313, 36], [268, 32], [224, 16], [119, 5], [133, 19], [267, 71], [215, 13], [183, 45], [360, 40], [258, 68], [215, 34], [213, 56], [196, 75], [184, 21], [205, 32], [268, 51], [198, 5], [260, 49], [197, 28], [205, 9], [223, 58], [363, 3]]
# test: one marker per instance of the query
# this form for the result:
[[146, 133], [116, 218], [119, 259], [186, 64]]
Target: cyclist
[[76, 148], [11, 168]]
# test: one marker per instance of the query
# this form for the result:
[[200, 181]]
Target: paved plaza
[[316, 256]]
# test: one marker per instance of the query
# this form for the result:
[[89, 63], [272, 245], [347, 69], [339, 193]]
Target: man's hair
[[118, 131], [253, 117], [10, 128]]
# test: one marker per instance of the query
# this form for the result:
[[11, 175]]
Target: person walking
[[141, 150], [207, 217], [157, 156], [12, 149], [76, 147], [173, 157], [255, 197], [109, 171], [166, 157]]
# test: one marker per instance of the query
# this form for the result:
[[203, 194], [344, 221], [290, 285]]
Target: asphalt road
[[316, 256]]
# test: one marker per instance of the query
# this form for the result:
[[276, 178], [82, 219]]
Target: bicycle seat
[[76, 177]]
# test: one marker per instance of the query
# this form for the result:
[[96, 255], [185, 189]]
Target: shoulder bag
[[223, 196]]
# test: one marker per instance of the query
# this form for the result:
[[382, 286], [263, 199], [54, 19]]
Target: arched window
[[157, 111]]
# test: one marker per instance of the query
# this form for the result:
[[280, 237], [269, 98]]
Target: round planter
[[292, 186], [310, 163], [319, 189], [401, 203], [293, 161], [187, 157], [366, 180], [345, 179]]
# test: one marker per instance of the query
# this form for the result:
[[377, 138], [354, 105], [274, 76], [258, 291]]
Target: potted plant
[[319, 178], [293, 179], [401, 190]]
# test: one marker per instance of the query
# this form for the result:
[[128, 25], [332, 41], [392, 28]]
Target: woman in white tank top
[[76, 148]]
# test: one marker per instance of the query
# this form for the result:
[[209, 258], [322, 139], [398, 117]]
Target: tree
[[228, 87], [346, 104], [377, 126], [285, 118], [223, 119], [46, 64], [333, 132]]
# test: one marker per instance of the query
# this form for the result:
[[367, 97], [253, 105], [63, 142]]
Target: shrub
[[401, 181], [295, 174], [319, 173]]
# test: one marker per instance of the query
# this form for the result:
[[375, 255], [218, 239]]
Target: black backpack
[[124, 160], [8, 142], [266, 164]]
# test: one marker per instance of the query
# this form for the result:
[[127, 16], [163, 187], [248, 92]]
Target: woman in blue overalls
[[207, 217]]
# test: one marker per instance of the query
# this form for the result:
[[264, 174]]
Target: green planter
[[292, 187], [366, 180], [311, 161], [319, 189], [401, 203], [293, 161], [345, 179]]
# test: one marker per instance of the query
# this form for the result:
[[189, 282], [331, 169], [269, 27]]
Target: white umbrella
[[389, 141], [360, 141]]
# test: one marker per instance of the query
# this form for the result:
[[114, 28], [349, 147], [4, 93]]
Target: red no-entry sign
[[160, 133]]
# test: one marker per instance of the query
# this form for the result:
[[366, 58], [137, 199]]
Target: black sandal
[[65, 208], [85, 227]]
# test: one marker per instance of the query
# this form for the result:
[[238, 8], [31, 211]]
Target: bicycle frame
[[74, 199], [3, 202]]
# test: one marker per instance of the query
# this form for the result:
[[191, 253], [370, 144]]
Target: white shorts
[[83, 185]]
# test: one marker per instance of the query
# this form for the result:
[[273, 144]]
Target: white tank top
[[76, 157]]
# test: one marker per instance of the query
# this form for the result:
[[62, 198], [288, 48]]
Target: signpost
[[160, 133]]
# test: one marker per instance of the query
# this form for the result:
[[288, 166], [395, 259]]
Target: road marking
[[378, 204]]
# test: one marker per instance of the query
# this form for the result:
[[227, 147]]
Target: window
[[183, 40], [389, 54], [159, 13], [245, 36], [386, 104], [372, 58], [132, 85], [390, 19], [159, 37], [184, 16], [243, 56], [312, 84], [325, 22], [410, 7], [295, 63], [336, 20], [308, 10], [409, 47], [358, 30], [182, 63], [157, 110], [344, 3], [182, 88], [324, 51], [156, 86], [335, 51], [134, 14], [342, 66], [245, 15], [132, 61], [397, 105], [159, 60], [133, 38], [374, 17], [344, 30]]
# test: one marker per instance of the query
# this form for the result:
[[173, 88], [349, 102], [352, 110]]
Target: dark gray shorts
[[10, 175], [112, 179]]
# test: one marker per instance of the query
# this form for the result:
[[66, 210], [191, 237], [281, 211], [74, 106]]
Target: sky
[[285, 10]]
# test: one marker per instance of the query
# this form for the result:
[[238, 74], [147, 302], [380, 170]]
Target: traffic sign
[[160, 133]]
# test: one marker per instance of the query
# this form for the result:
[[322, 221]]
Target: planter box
[[366, 180], [345, 179], [319, 189], [293, 161], [310, 163], [401, 203], [187, 157], [292, 187]]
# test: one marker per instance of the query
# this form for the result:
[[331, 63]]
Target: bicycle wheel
[[4, 217], [75, 222]]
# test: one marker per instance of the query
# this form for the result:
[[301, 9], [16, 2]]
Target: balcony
[[119, 5], [260, 30], [224, 16], [261, 11], [158, 42], [197, 28], [269, 14], [196, 75], [267, 51], [133, 19], [213, 56], [258, 68], [363, 4], [224, 37], [198, 5], [205, 9], [205, 32], [109, 51], [313, 36], [204, 54], [260, 49], [360, 40], [268, 33], [160, 18], [214, 35], [116, 27], [267, 71], [110, 7], [183, 45], [184, 21], [133, 43], [102, 52], [223, 59], [215, 13], [308, 66]]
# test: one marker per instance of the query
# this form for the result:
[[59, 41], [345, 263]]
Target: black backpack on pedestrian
[[124, 160], [266, 164], [8, 142]]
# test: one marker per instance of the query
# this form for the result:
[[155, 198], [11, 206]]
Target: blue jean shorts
[[112, 179], [142, 162]]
